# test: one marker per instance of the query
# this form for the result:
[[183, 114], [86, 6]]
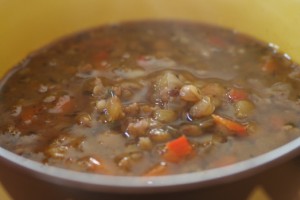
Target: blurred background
[[28, 25]]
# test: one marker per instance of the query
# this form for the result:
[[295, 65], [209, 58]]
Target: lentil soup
[[150, 98]]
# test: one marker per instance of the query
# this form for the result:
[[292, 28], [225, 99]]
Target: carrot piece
[[231, 125], [237, 94], [269, 66], [68, 106], [99, 56], [27, 114], [225, 160], [178, 149], [100, 169], [93, 164], [158, 170], [217, 41], [276, 121], [64, 105]]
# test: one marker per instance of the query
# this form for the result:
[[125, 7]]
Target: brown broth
[[150, 98]]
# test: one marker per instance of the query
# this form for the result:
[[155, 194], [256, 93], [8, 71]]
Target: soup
[[150, 98]]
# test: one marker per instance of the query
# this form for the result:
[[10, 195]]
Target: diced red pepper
[[178, 149], [236, 94], [231, 125]]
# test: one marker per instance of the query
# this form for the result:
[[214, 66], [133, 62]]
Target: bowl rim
[[135, 184]]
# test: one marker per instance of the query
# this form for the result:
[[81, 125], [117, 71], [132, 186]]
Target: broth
[[150, 98]]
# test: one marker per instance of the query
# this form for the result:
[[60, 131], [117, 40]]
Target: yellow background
[[27, 25]]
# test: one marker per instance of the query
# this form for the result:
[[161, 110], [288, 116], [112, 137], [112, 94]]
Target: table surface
[[279, 183]]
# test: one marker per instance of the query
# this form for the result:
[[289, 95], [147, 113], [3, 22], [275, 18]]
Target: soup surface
[[150, 98]]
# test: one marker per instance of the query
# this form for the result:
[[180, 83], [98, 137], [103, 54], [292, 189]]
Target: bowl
[[40, 22]]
